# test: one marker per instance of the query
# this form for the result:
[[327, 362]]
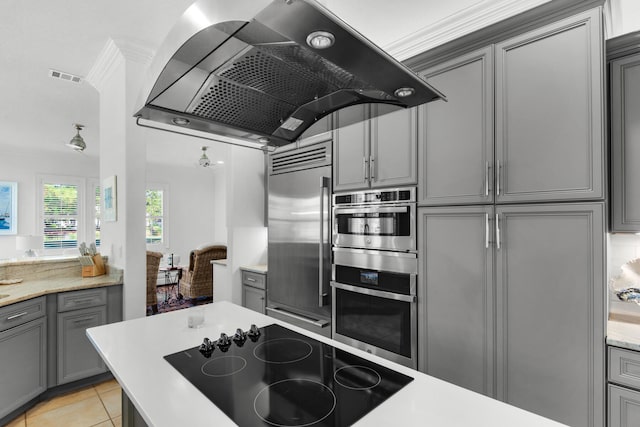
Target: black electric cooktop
[[273, 376]]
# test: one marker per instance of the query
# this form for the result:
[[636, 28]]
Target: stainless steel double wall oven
[[374, 272]]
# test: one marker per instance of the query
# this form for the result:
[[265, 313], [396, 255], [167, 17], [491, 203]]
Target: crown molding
[[113, 54], [475, 17]]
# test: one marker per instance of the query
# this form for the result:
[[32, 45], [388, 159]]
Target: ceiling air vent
[[64, 76]]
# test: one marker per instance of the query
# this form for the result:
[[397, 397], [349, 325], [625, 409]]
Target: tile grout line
[[104, 406]]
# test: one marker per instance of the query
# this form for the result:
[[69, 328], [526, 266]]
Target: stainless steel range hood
[[247, 69]]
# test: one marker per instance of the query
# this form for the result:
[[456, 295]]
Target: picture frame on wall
[[110, 199], [8, 208]]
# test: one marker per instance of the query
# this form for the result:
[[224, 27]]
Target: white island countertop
[[133, 350]]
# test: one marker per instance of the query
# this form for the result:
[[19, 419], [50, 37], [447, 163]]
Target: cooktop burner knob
[[207, 347], [253, 332], [224, 342], [239, 337]]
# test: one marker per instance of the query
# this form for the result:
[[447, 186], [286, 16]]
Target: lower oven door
[[379, 322]]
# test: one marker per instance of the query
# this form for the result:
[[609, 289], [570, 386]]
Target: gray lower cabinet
[[624, 387], [254, 287], [624, 407], [77, 358], [550, 310], [374, 152], [625, 132], [456, 297], [77, 311], [23, 353], [254, 299], [456, 149], [546, 297]]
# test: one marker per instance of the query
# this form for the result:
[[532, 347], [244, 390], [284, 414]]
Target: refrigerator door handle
[[324, 193]]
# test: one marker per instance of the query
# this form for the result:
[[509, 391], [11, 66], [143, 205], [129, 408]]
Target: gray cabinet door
[[23, 354], [549, 113], [77, 358], [394, 144], [624, 407], [456, 297], [625, 143], [351, 149], [456, 150], [551, 310], [253, 298]]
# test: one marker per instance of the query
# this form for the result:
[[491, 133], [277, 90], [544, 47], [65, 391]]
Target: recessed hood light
[[403, 92], [320, 40], [180, 121]]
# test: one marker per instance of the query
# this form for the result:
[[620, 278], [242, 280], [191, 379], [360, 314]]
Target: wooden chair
[[153, 265], [197, 280]]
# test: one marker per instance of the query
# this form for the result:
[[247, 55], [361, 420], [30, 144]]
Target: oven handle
[[372, 292], [377, 209], [318, 323]]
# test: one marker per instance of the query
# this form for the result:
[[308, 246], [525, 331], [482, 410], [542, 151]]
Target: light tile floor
[[93, 406]]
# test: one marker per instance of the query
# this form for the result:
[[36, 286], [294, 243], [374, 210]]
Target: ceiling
[[37, 112]]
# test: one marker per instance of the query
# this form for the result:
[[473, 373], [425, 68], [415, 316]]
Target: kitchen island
[[134, 352]]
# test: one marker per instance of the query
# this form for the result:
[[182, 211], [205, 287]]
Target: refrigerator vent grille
[[314, 156]]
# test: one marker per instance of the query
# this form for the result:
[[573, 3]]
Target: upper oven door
[[383, 226]]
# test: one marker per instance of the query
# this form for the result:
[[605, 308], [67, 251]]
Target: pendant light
[[77, 143], [204, 160]]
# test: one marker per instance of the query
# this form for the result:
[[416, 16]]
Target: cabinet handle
[[486, 179], [486, 231], [498, 231], [250, 279], [365, 168], [83, 320], [498, 167], [372, 167], [83, 301], [15, 316]]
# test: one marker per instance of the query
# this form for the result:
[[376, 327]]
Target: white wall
[[193, 203], [246, 231], [22, 166]]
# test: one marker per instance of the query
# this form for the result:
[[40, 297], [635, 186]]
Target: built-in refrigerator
[[299, 252]]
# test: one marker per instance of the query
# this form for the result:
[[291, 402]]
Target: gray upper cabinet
[[351, 149], [394, 144], [550, 286], [625, 139], [456, 297], [456, 136], [549, 112], [374, 152]]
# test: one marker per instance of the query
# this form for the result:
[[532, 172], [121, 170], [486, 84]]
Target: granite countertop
[[260, 269], [623, 334], [134, 350], [32, 288]]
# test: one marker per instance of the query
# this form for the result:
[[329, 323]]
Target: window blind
[[60, 203]]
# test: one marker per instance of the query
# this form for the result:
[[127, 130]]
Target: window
[[69, 212], [96, 217], [155, 231], [61, 213]]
